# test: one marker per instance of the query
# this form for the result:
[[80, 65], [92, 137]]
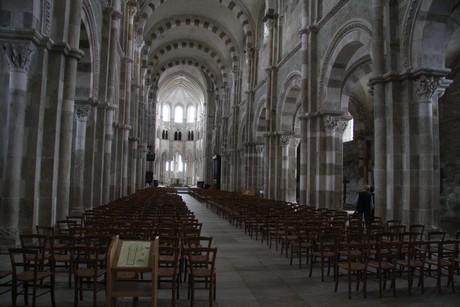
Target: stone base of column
[[9, 236]]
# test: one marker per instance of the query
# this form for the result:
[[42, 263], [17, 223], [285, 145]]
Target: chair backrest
[[169, 257], [413, 250], [357, 252], [87, 257], [169, 241], [436, 235], [44, 230], [24, 260], [208, 261], [64, 227], [37, 242], [418, 228]]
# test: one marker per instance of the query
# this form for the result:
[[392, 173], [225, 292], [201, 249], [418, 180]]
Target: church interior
[[298, 103]]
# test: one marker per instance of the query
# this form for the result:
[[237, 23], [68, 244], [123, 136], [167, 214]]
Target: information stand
[[130, 256]]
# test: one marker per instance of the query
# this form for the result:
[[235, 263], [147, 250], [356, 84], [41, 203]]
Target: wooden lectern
[[131, 256]]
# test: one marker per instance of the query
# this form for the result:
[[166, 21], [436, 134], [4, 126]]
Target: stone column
[[70, 77], [292, 191], [18, 57], [286, 173], [82, 112], [260, 189], [309, 118], [425, 207], [380, 116], [251, 165], [331, 162], [110, 111]]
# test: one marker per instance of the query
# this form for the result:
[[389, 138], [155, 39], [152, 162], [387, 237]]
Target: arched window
[[178, 114], [165, 113], [164, 135], [191, 114], [348, 133]]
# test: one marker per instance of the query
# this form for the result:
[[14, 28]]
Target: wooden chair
[[41, 244], [5, 278], [202, 271], [326, 249], [86, 269], [61, 255], [385, 262], [27, 271], [301, 246], [168, 269], [188, 243], [412, 258], [357, 256], [443, 260]]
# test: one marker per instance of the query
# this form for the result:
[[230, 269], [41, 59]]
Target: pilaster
[[19, 57]]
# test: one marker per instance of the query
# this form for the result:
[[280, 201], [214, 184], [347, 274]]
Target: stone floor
[[250, 274]]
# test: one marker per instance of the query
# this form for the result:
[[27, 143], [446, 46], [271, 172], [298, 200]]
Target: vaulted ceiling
[[187, 36]]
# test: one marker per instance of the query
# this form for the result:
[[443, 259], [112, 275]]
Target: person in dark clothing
[[372, 214], [363, 205]]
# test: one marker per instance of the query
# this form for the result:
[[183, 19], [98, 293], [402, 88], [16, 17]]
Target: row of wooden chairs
[[184, 253], [317, 234]]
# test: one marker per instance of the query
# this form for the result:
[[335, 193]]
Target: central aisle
[[250, 274]]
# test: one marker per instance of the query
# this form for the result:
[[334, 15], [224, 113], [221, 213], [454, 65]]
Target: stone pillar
[[70, 77], [425, 157], [292, 191], [331, 162], [82, 112], [286, 172], [380, 116], [251, 165], [125, 160], [109, 115], [260, 189], [309, 118], [18, 57], [133, 166]]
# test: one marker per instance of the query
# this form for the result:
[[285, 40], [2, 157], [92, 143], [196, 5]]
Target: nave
[[249, 273]]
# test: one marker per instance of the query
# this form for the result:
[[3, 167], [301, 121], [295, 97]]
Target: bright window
[[191, 114], [166, 113], [178, 114], [348, 133]]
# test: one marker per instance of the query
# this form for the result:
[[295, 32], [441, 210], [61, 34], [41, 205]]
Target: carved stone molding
[[260, 149], [18, 56], [47, 16], [334, 124], [285, 140], [425, 87], [82, 111]]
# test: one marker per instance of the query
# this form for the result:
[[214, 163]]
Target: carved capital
[[334, 124], [260, 149], [285, 139], [82, 111], [425, 87], [18, 56]]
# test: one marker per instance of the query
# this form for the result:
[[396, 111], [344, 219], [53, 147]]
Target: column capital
[[82, 110], [260, 149], [427, 86], [334, 123], [18, 55], [285, 140]]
